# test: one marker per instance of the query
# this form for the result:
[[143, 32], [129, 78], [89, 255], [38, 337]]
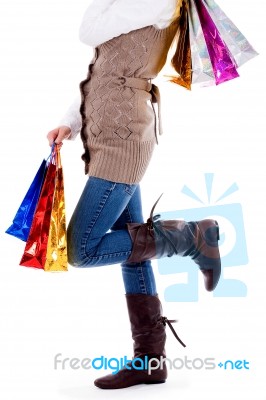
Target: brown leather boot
[[148, 333], [158, 238]]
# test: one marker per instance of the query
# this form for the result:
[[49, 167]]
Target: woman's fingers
[[63, 133], [52, 135], [57, 135]]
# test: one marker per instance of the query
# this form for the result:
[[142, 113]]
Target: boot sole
[[115, 387]]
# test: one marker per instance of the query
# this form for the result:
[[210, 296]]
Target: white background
[[82, 313]]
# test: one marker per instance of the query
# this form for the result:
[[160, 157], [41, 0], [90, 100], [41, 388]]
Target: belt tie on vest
[[145, 84]]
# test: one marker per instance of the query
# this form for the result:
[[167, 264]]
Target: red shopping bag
[[36, 245]]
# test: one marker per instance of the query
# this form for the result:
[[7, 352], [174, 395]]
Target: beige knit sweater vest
[[118, 122]]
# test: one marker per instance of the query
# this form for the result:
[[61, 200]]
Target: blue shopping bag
[[21, 225]]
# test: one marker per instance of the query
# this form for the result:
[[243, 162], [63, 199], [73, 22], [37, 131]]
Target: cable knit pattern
[[118, 122]]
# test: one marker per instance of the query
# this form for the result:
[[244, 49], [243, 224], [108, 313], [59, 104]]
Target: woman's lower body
[[98, 235]]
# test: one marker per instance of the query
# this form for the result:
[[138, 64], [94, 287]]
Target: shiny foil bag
[[202, 70], [223, 63], [21, 225], [181, 60], [56, 255], [36, 246], [240, 48]]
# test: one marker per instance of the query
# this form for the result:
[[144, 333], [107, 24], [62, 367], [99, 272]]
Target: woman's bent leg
[[107, 206], [100, 205]]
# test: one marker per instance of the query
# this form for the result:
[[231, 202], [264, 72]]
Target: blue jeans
[[97, 233]]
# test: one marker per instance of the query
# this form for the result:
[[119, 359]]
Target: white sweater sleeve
[[72, 118], [105, 19]]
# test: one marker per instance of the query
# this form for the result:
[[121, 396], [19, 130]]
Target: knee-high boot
[[159, 238], [148, 333]]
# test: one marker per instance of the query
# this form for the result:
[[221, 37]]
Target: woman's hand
[[59, 134]]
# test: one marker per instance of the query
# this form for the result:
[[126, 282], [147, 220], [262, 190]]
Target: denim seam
[[128, 212], [143, 287], [139, 268]]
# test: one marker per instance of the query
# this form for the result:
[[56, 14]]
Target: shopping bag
[[36, 246], [20, 227], [202, 70], [240, 48], [181, 60], [223, 64], [56, 255]]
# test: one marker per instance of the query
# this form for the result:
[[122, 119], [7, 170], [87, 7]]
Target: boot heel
[[154, 382]]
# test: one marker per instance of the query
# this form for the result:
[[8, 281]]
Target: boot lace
[[169, 322]]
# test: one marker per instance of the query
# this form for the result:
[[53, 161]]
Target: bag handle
[[55, 156]]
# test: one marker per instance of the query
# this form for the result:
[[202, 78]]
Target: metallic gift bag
[[20, 227], [181, 60], [36, 246], [223, 63], [202, 70], [240, 48], [56, 255]]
